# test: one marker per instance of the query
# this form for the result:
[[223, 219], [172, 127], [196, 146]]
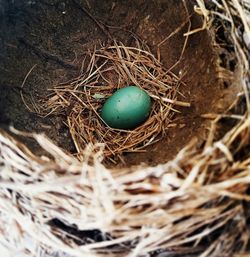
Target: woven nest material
[[195, 205], [109, 69]]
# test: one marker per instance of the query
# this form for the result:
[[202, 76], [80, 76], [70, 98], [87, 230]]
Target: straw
[[110, 68], [194, 205]]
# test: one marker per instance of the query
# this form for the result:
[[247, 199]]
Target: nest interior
[[55, 48], [196, 204]]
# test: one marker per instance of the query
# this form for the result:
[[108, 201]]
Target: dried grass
[[110, 68], [195, 205]]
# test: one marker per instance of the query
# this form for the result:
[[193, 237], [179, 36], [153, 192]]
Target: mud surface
[[51, 37]]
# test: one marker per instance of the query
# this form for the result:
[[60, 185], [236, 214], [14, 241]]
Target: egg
[[127, 108]]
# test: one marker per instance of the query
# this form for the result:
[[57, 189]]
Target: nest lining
[[110, 68], [195, 205]]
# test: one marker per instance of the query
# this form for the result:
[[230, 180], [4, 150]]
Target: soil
[[53, 35]]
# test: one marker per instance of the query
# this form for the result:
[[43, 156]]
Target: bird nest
[[194, 205], [106, 70]]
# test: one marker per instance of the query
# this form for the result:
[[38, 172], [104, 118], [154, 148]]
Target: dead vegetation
[[195, 205], [104, 71]]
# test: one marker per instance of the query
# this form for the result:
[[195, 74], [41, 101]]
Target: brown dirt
[[54, 34]]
